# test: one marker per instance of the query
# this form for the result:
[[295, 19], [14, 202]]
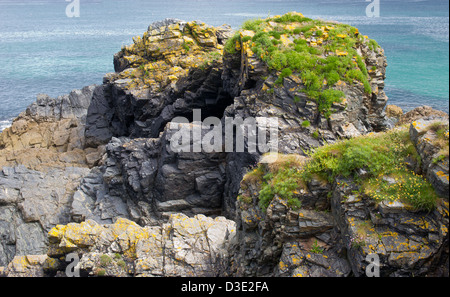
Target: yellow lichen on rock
[[165, 54]]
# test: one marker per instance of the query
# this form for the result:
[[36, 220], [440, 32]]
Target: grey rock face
[[435, 164], [145, 176], [31, 203], [73, 105]]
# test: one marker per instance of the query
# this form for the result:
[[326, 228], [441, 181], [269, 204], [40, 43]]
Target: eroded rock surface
[[183, 246]]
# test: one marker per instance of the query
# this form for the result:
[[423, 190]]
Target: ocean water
[[44, 51]]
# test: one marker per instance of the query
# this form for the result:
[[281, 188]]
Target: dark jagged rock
[[151, 181]]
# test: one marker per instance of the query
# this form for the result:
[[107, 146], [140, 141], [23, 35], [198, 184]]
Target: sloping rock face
[[50, 133]]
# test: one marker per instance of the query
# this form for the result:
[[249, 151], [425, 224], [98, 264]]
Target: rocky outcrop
[[42, 161], [284, 242], [176, 67], [112, 191], [183, 246], [406, 243], [50, 133], [143, 180], [302, 126], [337, 238], [421, 113], [430, 137]]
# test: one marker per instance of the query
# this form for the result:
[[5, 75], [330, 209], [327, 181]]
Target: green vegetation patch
[[441, 130], [105, 260], [321, 53], [381, 156], [403, 186], [281, 179]]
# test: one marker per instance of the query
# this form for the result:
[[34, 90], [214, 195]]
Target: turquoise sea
[[44, 51]]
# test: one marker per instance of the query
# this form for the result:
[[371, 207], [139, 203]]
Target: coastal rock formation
[[173, 68], [42, 161], [422, 113], [178, 67], [182, 247], [31, 203], [94, 173], [50, 133], [142, 179], [337, 228]]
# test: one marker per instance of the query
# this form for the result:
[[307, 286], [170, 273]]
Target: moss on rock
[[323, 54]]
